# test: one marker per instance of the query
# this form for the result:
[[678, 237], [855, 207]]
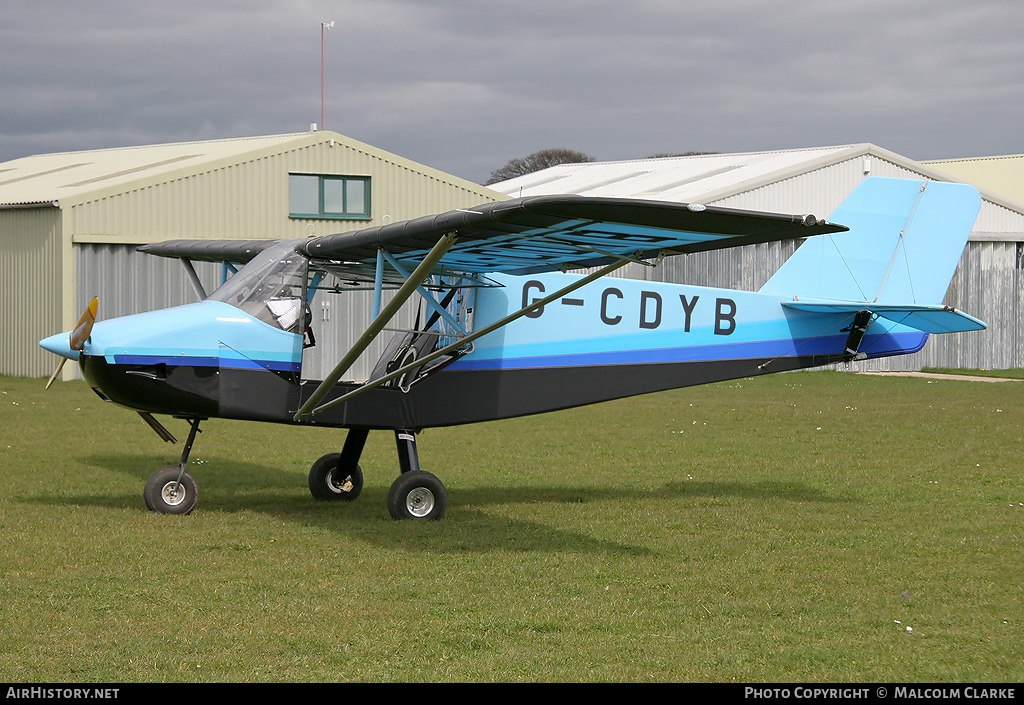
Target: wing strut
[[193, 278], [430, 300], [420, 361], [407, 289]]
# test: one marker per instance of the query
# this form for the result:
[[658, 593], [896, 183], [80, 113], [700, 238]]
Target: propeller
[[78, 337]]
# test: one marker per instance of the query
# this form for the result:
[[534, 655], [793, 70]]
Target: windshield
[[270, 287]]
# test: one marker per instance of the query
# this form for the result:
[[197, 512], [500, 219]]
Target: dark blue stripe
[[226, 363], [831, 345]]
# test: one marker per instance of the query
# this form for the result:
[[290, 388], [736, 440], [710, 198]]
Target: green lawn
[[801, 527]]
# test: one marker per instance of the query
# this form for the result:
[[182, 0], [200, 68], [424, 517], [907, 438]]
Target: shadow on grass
[[239, 487]]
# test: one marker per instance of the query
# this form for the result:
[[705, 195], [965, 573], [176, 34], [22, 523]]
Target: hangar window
[[322, 196]]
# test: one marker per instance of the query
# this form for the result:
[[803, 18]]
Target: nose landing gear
[[172, 489]]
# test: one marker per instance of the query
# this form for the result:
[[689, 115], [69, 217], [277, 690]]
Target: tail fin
[[905, 240]]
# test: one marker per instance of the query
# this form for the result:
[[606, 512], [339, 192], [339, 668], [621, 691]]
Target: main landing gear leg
[[337, 476], [416, 494], [171, 489]]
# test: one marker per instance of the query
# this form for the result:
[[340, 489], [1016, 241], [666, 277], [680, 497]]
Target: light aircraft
[[508, 331]]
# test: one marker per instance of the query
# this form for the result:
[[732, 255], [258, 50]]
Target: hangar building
[[1003, 174], [70, 224], [988, 282]]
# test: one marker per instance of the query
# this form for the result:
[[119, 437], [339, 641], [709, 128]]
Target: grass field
[[803, 527]]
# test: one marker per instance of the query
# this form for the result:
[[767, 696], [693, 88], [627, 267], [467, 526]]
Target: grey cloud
[[465, 86]]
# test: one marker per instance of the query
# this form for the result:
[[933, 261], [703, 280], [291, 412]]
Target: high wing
[[550, 233], [530, 235]]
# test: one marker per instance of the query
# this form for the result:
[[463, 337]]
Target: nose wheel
[[172, 489]]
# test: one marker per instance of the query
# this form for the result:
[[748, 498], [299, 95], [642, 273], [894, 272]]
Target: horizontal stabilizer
[[930, 319]]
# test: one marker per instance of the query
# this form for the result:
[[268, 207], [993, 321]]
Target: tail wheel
[[171, 491], [417, 495], [328, 481]]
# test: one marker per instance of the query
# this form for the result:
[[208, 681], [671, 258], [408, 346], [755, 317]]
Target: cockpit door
[[265, 346]]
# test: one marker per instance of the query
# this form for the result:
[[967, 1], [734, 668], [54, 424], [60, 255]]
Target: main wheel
[[417, 495], [328, 481], [166, 494]]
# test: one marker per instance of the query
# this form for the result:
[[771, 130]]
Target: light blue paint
[[60, 344], [748, 324], [905, 240], [930, 319], [206, 334]]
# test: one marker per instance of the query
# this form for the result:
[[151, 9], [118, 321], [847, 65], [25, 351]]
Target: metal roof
[[68, 177], [721, 178], [683, 179]]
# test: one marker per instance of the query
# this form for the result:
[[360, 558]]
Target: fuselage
[[609, 339]]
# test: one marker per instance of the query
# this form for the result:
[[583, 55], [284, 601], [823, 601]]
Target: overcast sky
[[466, 85]]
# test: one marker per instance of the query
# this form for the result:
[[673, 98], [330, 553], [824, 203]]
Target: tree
[[681, 154], [537, 161]]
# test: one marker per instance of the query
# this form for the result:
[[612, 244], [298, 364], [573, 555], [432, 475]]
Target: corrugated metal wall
[[30, 287], [988, 284], [127, 281]]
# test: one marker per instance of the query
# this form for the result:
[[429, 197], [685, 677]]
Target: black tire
[[417, 495], [166, 495], [327, 482]]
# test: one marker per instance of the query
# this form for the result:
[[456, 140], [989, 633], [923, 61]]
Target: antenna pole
[[324, 26]]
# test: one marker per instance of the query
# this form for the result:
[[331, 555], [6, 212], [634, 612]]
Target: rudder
[[906, 237]]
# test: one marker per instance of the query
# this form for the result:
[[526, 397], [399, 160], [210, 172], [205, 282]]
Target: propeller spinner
[[68, 346]]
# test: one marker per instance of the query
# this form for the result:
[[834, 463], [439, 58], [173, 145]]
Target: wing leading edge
[[240, 251]]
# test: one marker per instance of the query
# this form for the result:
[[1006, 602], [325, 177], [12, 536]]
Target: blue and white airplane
[[508, 332]]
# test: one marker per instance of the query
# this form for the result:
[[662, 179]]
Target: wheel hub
[[420, 502], [173, 493]]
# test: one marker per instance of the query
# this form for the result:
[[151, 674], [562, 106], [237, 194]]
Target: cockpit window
[[271, 287]]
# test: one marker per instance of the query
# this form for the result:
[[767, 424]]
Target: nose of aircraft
[[69, 345], [60, 344]]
